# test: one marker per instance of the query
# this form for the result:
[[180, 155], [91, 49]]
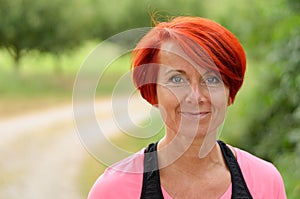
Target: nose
[[197, 94]]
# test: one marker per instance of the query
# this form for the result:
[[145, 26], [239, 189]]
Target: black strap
[[151, 188], [239, 186], [151, 181]]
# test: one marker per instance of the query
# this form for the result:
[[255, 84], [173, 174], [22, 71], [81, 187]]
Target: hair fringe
[[159, 16]]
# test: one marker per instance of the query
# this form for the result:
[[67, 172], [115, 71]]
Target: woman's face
[[192, 100]]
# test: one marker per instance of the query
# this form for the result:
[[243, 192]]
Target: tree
[[109, 19], [273, 131], [49, 26]]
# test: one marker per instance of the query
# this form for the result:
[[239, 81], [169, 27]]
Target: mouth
[[195, 115]]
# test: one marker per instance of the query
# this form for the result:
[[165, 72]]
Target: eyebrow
[[174, 70], [183, 72]]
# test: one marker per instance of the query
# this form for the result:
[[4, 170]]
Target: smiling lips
[[195, 115]]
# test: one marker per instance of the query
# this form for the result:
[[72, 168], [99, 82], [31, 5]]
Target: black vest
[[151, 188]]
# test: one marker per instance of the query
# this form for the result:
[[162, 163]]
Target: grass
[[45, 80], [22, 93], [38, 77]]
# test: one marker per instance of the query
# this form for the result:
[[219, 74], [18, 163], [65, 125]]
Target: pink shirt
[[124, 179]]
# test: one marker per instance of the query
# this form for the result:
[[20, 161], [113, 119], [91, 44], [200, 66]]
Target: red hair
[[208, 43]]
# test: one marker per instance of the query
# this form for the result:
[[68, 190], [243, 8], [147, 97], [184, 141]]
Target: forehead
[[173, 57], [169, 51]]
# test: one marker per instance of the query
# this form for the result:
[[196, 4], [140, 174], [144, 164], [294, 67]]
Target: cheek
[[167, 97], [220, 97], [219, 102], [168, 103]]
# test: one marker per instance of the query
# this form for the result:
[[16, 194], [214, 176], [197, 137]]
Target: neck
[[183, 151]]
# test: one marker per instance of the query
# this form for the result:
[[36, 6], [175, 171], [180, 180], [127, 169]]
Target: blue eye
[[212, 81], [177, 79]]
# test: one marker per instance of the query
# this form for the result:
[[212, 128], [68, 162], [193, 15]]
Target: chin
[[193, 132]]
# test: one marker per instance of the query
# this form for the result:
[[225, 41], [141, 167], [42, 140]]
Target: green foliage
[[56, 26], [43, 25], [128, 14], [274, 127], [37, 81], [279, 120]]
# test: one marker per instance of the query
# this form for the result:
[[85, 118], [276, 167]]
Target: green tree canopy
[[273, 127], [52, 26]]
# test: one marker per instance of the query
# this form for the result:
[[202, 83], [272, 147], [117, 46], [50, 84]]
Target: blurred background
[[43, 43]]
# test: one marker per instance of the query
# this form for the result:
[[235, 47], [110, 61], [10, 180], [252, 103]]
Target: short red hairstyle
[[196, 36]]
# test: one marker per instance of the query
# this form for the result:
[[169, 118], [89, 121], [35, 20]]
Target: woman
[[191, 69]]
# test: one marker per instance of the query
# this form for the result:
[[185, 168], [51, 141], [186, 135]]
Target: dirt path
[[41, 154]]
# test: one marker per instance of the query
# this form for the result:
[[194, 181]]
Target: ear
[[155, 105], [229, 101]]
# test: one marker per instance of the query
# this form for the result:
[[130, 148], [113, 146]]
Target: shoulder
[[250, 162], [126, 176], [262, 177]]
